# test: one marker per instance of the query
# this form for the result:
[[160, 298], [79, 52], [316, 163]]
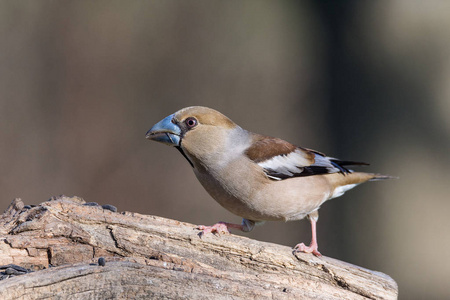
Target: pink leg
[[313, 247]]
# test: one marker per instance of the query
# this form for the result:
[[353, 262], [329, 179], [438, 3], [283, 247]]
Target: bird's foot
[[313, 248], [219, 228]]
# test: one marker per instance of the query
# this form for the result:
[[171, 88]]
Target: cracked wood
[[149, 256]]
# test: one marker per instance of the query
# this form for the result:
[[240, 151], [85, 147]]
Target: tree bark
[[153, 257]]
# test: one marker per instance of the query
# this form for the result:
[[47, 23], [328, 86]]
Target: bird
[[257, 177]]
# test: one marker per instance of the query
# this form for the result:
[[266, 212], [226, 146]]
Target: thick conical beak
[[166, 132]]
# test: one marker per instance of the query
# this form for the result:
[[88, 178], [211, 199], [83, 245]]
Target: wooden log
[[153, 257]]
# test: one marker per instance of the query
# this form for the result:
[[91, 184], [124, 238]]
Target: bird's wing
[[282, 160]]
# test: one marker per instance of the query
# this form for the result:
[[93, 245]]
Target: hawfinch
[[256, 177]]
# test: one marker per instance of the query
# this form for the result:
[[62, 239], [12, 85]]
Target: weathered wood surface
[[154, 257]]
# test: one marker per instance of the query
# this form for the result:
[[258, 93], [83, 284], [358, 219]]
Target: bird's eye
[[190, 122]]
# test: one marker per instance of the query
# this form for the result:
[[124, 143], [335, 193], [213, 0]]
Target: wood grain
[[153, 257]]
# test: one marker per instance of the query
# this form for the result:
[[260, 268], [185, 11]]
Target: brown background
[[82, 81]]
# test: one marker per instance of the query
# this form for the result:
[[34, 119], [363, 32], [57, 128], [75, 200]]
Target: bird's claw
[[307, 249], [219, 228]]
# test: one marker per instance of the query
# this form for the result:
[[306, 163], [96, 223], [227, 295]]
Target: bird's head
[[198, 131]]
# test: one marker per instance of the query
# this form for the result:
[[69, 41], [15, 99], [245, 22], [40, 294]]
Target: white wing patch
[[294, 163], [288, 164]]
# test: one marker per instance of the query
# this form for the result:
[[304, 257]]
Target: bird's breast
[[243, 189]]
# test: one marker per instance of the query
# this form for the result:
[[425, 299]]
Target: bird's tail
[[382, 177], [355, 178]]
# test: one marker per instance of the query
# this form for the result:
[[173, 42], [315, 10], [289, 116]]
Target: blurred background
[[82, 81]]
